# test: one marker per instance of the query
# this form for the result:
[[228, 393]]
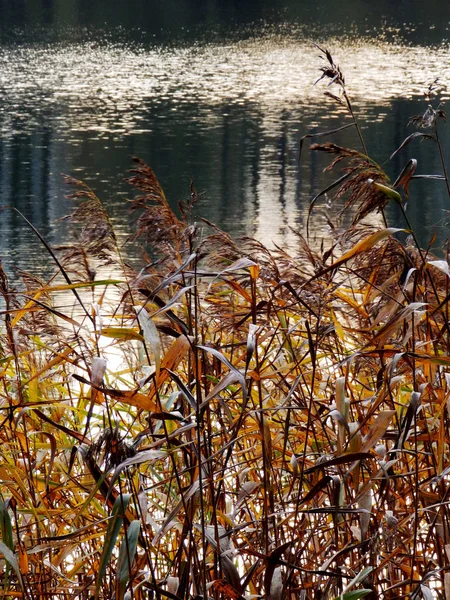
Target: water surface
[[211, 91]]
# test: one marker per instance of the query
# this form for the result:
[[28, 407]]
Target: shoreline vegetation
[[232, 421]]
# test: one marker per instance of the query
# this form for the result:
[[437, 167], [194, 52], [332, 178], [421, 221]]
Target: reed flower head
[[331, 70]]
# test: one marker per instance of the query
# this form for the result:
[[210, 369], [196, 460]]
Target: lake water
[[217, 90]]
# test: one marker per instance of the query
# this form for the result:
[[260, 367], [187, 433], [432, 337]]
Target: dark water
[[217, 90]]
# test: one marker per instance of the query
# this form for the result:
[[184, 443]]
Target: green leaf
[[360, 577], [7, 536], [126, 557], [11, 559], [114, 527], [6, 527], [390, 192], [355, 595], [357, 579]]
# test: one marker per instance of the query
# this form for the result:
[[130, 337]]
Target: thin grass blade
[[114, 527], [126, 558]]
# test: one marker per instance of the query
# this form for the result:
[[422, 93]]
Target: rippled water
[[229, 114], [108, 88]]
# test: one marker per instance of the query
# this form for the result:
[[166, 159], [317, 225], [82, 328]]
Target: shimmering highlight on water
[[231, 114], [105, 88]]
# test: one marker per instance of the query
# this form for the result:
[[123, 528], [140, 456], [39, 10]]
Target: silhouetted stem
[[361, 139], [441, 155]]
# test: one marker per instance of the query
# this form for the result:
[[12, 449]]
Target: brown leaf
[[377, 429], [340, 460], [225, 588]]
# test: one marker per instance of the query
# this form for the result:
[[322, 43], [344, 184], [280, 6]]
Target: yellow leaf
[[23, 561], [254, 271], [338, 327], [122, 333], [365, 244]]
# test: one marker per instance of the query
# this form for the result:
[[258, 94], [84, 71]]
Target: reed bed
[[231, 421]]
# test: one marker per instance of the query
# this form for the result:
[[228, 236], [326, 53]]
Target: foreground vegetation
[[230, 421]]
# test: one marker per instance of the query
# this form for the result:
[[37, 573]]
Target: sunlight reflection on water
[[106, 88], [95, 97]]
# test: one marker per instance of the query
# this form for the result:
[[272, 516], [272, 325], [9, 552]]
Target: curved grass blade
[[319, 134], [239, 376], [126, 558], [228, 380], [322, 193], [48, 289], [362, 246], [273, 582], [130, 397], [195, 487], [316, 489], [7, 537], [358, 578], [151, 335], [12, 561], [114, 527], [390, 193], [124, 334], [410, 138], [184, 390], [238, 265], [57, 313], [377, 429], [174, 300], [55, 258], [148, 456], [175, 275], [406, 175], [179, 324], [339, 460], [53, 451], [355, 595]]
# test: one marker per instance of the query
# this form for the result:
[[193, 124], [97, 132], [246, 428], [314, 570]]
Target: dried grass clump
[[357, 184]]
